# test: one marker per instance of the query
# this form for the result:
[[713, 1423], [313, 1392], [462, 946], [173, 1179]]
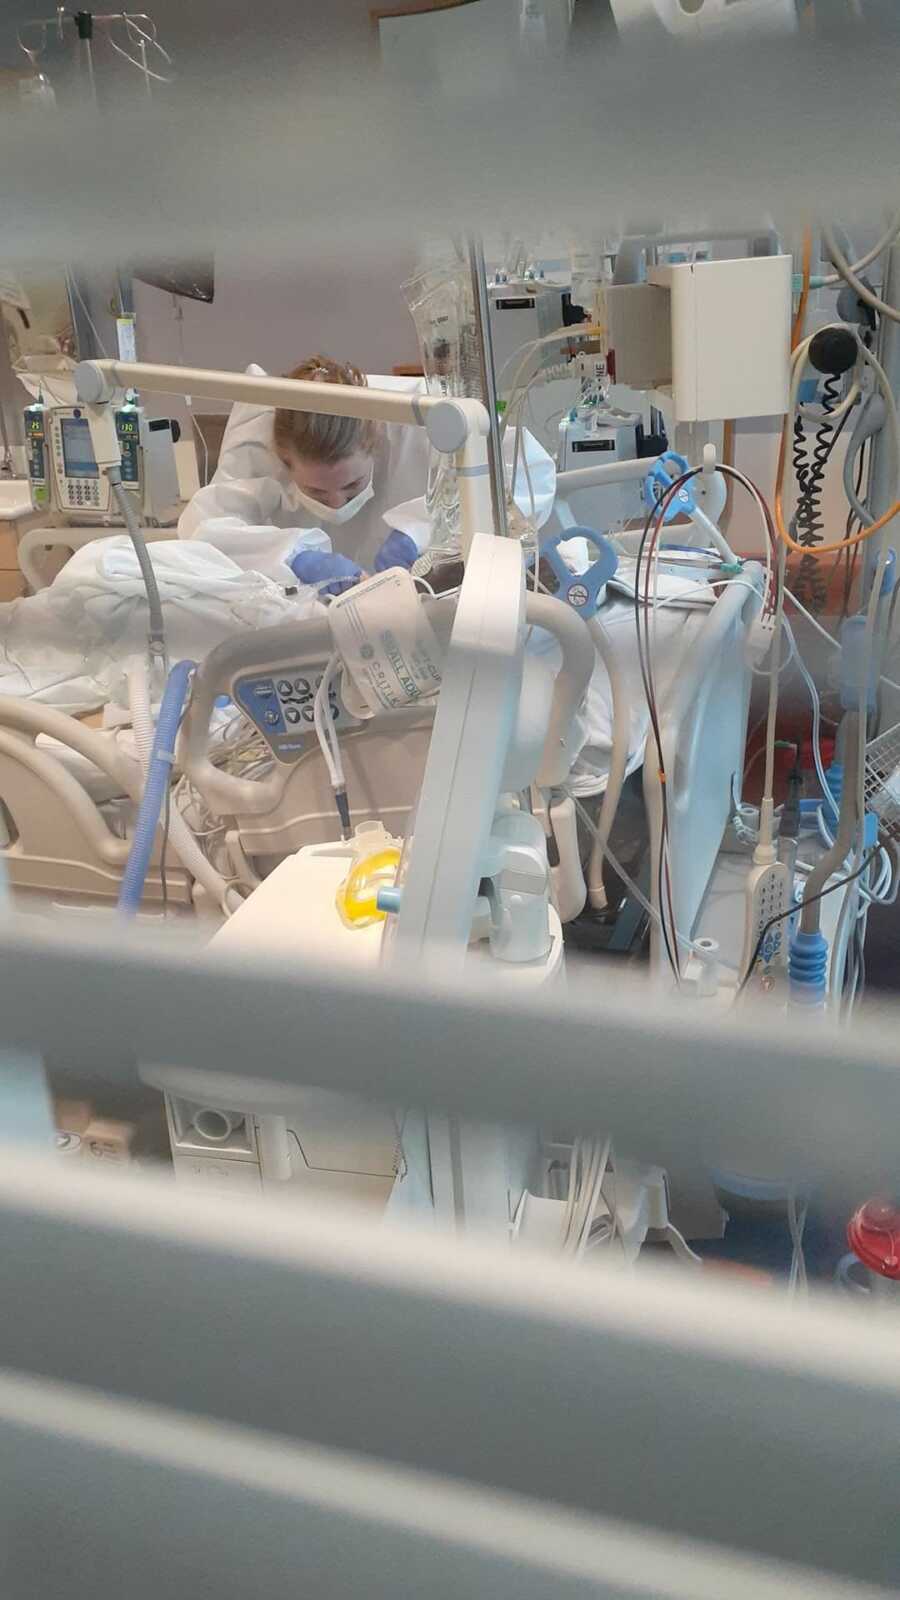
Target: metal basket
[[882, 780]]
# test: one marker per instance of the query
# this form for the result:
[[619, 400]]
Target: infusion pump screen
[[78, 452]]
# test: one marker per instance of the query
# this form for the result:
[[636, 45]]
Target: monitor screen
[[78, 452]]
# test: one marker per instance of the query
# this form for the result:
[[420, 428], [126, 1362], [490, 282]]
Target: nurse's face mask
[[333, 491]]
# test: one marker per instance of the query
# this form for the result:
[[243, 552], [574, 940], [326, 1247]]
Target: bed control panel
[[280, 700]]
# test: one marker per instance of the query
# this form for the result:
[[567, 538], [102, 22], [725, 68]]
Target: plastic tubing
[[813, 692], [156, 626], [618, 760], [156, 753], [158, 776], [834, 858]]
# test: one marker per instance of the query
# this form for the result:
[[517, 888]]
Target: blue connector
[[659, 480], [585, 591], [807, 969], [388, 899], [853, 632]]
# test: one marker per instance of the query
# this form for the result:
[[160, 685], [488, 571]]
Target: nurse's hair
[[321, 438]]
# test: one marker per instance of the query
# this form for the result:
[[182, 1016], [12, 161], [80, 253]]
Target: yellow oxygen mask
[[376, 859]]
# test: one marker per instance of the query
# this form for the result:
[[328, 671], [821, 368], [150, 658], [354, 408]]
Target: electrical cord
[[834, 278], [800, 317], [830, 639], [851, 557], [323, 727], [594, 1187], [580, 330], [633, 888], [655, 519], [807, 523], [815, 701], [326, 733], [765, 672], [797, 1225], [792, 910], [869, 422], [846, 271], [589, 1164], [198, 431], [842, 976], [768, 528], [571, 1192], [780, 744], [656, 515]]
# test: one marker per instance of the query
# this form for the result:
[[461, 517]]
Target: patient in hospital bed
[[69, 646]]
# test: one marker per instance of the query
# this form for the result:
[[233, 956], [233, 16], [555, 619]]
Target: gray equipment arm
[[574, 675], [266, 648]]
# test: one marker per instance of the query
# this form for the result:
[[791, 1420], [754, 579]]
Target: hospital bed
[[43, 551], [67, 802], [67, 794], [279, 828]]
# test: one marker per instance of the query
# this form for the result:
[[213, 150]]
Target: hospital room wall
[[275, 317], [352, 311]]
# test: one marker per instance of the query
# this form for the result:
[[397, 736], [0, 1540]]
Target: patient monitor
[[63, 471]]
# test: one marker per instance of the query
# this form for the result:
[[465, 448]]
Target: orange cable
[[800, 318]]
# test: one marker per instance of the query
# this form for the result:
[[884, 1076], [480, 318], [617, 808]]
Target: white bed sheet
[[674, 626], [675, 630], [68, 645]]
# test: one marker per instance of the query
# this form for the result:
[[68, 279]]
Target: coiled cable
[[808, 524]]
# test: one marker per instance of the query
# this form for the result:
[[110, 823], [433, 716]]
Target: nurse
[[312, 493]]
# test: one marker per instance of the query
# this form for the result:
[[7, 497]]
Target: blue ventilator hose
[[159, 775]]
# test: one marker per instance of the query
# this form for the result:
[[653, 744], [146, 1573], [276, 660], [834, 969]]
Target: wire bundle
[[246, 754], [588, 1167]]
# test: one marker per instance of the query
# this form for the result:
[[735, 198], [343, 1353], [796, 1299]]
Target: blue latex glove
[[398, 550], [315, 566]]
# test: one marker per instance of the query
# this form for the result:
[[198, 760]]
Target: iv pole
[[140, 31], [488, 383]]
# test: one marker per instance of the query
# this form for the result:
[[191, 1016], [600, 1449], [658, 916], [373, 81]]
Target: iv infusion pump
[[63, 471]]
